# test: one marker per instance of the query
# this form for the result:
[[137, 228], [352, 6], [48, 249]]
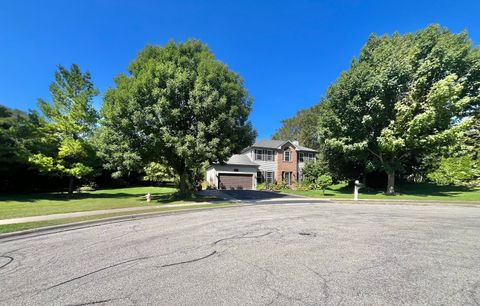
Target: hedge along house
[[266, 161]]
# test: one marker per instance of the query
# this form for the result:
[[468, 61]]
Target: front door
[[287, 177]]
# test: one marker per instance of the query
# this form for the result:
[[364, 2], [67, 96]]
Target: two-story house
[[266, 161]]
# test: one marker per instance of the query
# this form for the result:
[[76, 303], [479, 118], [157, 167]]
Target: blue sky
[[288, 52]]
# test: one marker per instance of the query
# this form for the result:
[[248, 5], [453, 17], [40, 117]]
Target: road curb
[[98, 222], [405, 202]]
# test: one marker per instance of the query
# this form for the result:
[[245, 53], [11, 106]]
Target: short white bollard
[[148, 197], [356, 187]]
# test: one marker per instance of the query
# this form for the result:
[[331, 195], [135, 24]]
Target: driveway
[[254, 196], [303, 254]]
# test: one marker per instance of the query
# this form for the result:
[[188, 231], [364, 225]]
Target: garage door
[[235, 181]]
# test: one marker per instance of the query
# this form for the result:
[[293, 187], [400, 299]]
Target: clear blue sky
[[288, 52]]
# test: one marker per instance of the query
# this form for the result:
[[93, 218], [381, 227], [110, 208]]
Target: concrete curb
[[405, 202], [98, 222]]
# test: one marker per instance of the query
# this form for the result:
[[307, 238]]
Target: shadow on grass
[[64, 197], [174, 197]]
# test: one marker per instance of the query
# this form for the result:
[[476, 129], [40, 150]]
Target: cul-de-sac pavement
[[294, 253]]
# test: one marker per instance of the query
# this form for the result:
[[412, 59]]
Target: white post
[[355, 190], [149, 197]]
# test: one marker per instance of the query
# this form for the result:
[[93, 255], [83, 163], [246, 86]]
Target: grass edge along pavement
[[9, 228], [411, 191], [39, 204]]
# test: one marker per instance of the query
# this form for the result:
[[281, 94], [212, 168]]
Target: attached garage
[[235, 181], [238, 173]]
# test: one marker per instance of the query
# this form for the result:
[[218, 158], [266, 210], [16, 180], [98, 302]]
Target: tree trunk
[[183, 183], [70, 185], [391, 183]]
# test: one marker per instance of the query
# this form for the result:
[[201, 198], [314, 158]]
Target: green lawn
[[31, 225], [25, 205], [411, 191]]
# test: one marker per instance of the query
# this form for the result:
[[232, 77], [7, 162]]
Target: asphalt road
[[304, 254]]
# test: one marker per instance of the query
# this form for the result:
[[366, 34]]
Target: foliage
[[323, 182], [178, 106], [461, 170], [405, 97], [314, 169], [155, 172], [262, 187], [302, 126], [71, 120], [20, 134]]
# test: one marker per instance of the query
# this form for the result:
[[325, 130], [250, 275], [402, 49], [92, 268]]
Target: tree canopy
[[178, 106], [70, 121], [405, 97]]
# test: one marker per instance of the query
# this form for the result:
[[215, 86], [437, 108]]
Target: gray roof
[[275, 144], [239, 159], [300, 148]]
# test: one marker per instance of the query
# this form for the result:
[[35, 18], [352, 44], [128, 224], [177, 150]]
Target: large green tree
[[71, 120], [178, 106], [20, 134], [302, 126], [404, 97]]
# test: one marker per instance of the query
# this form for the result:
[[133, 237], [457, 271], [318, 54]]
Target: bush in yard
[[323, 182], [262, 186], [313, 169], [462, 170], [316, 176]]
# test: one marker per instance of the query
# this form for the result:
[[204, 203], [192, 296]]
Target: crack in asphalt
[[9, 258], [189, 261], [96, 271], [241, 237], [474, 288], [325, 287], [267, 285], [94, 302]]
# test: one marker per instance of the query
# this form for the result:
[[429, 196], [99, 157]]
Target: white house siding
[[264, 165]]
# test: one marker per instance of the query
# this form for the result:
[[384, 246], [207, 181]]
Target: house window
[[287, 155], [269, 177], [300, 157], [260, 178], [270, 156], [311, 156], [258, 154]]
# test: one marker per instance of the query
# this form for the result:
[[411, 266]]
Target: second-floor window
[[305, 156], [287, 156], [269, 155], [264, 155], [258, 154]]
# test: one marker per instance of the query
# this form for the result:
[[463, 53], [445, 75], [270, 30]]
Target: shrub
[[262, 187], [462, 170], [322, 182]]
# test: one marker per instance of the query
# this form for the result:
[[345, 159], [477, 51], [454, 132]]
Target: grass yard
[[31, 225], [26, 205], [411, 191]]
